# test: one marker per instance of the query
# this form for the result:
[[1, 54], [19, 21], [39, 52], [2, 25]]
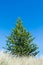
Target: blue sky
[[31, 13]]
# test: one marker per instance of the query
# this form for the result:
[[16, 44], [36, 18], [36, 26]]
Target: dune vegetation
[[8, 59]]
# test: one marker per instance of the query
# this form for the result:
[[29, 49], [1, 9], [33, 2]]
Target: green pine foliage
[[20, 42]]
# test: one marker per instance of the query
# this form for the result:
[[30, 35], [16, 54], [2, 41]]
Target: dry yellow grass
[[7, 59]]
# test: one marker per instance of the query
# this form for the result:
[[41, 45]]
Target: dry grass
[[7, 59]]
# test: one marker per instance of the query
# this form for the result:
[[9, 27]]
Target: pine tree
[[20, 42]]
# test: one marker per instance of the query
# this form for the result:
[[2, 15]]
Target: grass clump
[[8, 59]]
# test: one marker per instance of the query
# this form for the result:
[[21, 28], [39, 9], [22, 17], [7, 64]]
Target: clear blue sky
[[31, 13]]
